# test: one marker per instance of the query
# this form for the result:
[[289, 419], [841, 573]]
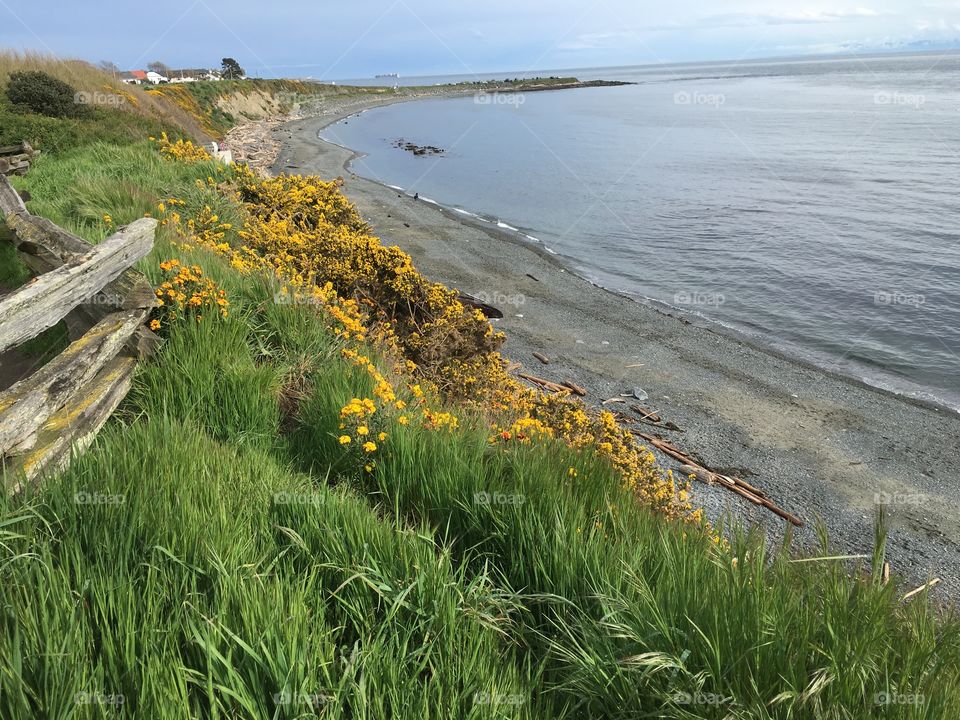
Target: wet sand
[[823, 447]]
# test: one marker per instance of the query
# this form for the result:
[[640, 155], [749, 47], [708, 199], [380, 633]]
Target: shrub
[[44, 94]]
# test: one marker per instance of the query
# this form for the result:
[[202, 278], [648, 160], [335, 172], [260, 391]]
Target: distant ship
[[385, 75]]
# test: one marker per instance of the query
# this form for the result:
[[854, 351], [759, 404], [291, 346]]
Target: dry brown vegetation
[[102, 89]]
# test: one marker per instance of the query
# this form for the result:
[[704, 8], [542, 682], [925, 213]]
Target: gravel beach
[[823, 447]]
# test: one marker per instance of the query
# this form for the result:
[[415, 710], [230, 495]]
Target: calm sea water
[[811, 204]]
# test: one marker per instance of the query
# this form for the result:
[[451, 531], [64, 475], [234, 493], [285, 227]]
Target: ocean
[[811, 204]]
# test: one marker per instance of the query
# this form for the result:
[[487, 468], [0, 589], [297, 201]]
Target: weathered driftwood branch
[[544, 383], [645, 414], [917, 591], [706, 475], [72, 428], [488, 310], [27, 405], [46, 300]]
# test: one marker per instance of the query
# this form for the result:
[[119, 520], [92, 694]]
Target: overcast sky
[[358, 38]]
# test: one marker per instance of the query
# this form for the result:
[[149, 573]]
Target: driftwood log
[[544, 383], [489, 310], [704, 474]]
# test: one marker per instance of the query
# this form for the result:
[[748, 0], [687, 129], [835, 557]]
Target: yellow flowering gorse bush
[[306, 234], [186, 292], [182, 150]]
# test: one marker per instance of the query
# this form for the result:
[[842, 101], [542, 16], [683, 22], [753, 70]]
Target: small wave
[[758, 211], [395, 187], [531, 237], [501, 224], [428, 200], [466, 212]]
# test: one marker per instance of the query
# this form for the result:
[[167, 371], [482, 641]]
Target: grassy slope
[[213, 556], [140, 114]]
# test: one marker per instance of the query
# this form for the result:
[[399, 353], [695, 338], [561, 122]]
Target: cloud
[[596, 40], [604, 40], [807, 17]]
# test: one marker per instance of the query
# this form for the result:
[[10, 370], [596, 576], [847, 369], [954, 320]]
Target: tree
[[44, 94], [159, 68], [108, 67], [231, 70]]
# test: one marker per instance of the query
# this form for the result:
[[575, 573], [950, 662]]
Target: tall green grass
[[13, 271], [218, 554], [76, 189]]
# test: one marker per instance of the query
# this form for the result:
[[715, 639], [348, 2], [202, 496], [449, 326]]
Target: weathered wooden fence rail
[[16, 159], [58, 409]]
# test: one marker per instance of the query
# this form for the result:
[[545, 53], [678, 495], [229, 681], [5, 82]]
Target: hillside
[[325, 495]]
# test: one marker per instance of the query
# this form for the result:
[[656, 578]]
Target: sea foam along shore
[[822, 446]]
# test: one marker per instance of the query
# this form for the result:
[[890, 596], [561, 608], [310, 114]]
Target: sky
[[360, 38]]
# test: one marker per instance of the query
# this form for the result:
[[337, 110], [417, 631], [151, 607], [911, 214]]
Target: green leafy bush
[[44, 94]]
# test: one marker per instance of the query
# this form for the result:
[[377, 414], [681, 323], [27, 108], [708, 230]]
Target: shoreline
[[820, 443], [508, 233], [516, 235]]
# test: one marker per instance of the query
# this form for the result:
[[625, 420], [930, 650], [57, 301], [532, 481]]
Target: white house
[[133, 77], [188, 75], [156, 78]]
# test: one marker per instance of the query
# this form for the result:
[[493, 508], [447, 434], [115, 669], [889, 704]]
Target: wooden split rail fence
[[57, 410], [16, 159]]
